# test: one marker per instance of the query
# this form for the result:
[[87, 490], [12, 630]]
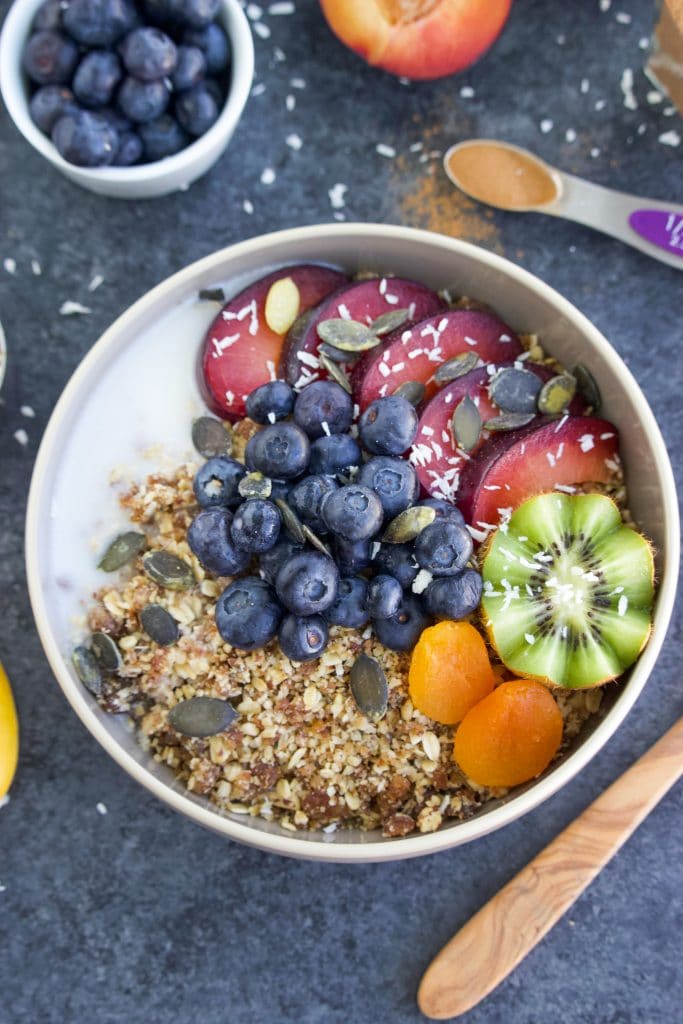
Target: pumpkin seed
[[87, 670], [211, 437], [509, 421], [336, 354], [122, 550], [201, 716], [389, 321], [347, 335], [369, 687], [466, 424], [587, 386], [313, 539], [106, 652], [456, 367], [159, 625], [515, 390], [408, 524], [556, 394], [335, 371], [412, 390], [168, 570], [291, 521], [212, 295], [255, 485]]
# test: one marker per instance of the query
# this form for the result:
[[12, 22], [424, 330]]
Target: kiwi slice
[[568, 590]]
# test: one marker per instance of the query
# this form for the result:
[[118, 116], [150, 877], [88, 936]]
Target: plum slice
[[363, 301], [240, 351], [552, 455], [415, 353]]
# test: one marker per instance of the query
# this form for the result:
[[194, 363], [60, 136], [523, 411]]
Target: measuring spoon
[[486, 169]]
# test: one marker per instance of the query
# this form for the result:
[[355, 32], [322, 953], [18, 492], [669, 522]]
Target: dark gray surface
[[138, 915]]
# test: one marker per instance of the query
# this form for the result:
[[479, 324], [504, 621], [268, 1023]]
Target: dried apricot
[[510, 736], [450, 671]]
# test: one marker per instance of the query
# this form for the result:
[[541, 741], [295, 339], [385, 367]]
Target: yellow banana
[[9, 734]]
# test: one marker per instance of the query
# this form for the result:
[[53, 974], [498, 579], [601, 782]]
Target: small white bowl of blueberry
[[127, 98]]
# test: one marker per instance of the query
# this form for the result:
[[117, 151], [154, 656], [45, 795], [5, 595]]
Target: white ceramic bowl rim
[[410, 846], [12, 86]]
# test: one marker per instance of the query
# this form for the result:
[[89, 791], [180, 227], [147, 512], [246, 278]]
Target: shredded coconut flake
[[70, 308]]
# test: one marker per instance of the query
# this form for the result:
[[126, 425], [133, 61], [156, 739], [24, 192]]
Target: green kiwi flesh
[[568, 590]]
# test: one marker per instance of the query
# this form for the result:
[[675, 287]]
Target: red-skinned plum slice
[[363, 301], [240, 351], [415, 353], [552, 455]]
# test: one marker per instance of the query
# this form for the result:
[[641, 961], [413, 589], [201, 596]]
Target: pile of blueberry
[[318, 537], [122, 82]]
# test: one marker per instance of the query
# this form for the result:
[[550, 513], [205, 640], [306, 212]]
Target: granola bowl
[[64, 537]]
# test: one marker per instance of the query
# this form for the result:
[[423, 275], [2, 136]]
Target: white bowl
[[146, 180], [137, 388]]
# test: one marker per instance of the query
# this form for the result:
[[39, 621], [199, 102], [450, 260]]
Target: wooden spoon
[[501, 934]]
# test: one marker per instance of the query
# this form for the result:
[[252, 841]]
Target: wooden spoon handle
[[501, 934]]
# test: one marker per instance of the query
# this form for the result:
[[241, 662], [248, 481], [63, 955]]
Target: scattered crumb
[[561, 39], [405, 81], [627, 89], [21, 436], [267, 176], [384, 150], [279, 55], [297, 83], [654, 96], [546, 125], [605, 5], [254, 12], [36, 268], [70, 308], [670, 138], [290, 102], [595, 152], [248, 206], [294, 141], [644, 43], [467, 92], [28, 411], [4, 800], [101, 808], [570, 135], [261, 30], [285, 7], [336, 194], [600, 104], [95, 283], [3, 888], [623, 18], [10, 265], [258, 89]]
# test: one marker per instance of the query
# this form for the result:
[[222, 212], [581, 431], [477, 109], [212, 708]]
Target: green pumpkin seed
[[456, 367], [255, 485], [509, 421], [87, 670], [212, 295], [515, 390], [314, 540], [408, 524], [106, 652], [466, 424], [587, 385], [335, 371], [159, 625], [122, 549], [168, 570], [412, 390], [347, 335], [556, 394], [336, 354], [369, 687], [291, 522], [211, 437], [201, 716], [389, 321]]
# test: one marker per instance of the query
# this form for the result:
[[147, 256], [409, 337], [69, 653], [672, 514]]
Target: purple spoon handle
[[661, 227]]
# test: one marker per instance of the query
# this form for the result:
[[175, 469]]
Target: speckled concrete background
[[137, 916]]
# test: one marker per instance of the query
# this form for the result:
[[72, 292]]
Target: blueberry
[[213, 43], [48, 17], [49, 103], [397, 560], [217, 481], [248, 613], [323, 402], [49, 58], [256, 525], [196, 110], [96, 78], [271, 561], [197, 13], [129, 151], [307, 583], [454, 597], [306, 499], [280, 488], [388, 426], [384, 597], [280, 449], [444, 510], [85, 139], [270, 402], [162, 137], [149, 54], [352, 556], [402, 631], [334, 454], [444, 548], [209, 538], [98, 22], [116, 119], [349, 609], [394, 480], [353, 512], [190, 68], [303, 638], [143, 101]]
